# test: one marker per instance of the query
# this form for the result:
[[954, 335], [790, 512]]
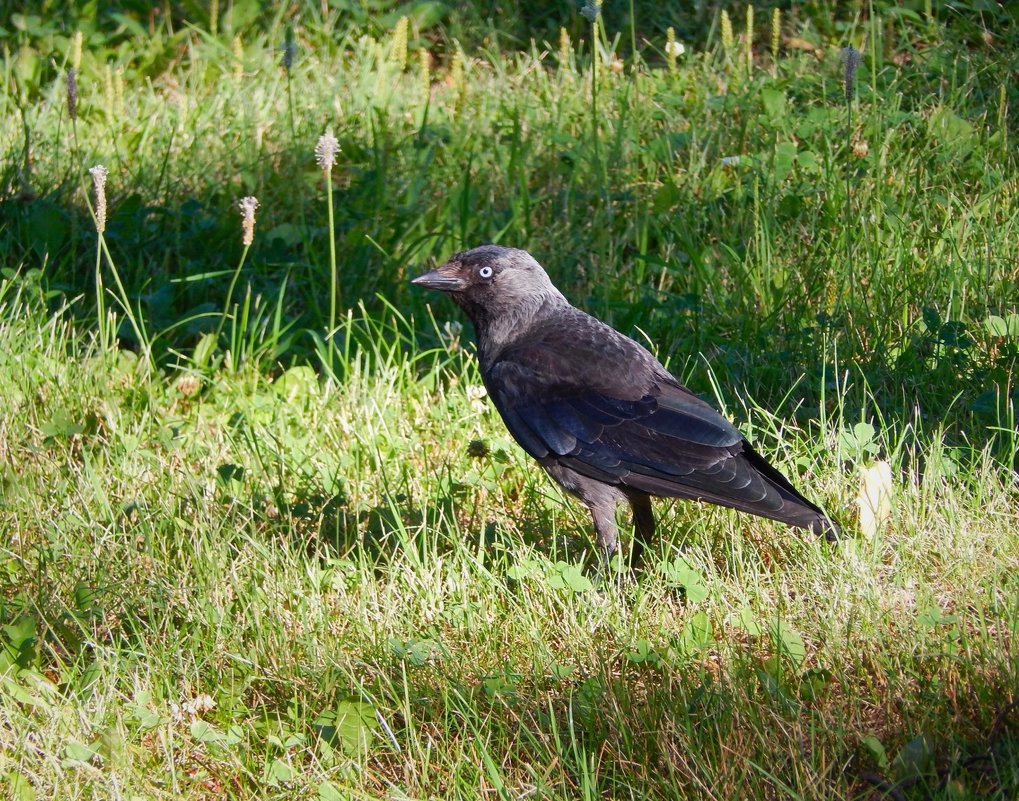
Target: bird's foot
[[614, 570]]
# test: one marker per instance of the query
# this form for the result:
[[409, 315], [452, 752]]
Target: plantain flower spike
[[247, 205], [99, 173], [851, 59], [72, 93], [326, 150]]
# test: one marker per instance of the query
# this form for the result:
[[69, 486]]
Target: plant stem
[[137, 325], [594, 89], [633, 35], [100, 301], [333, 277], [849, 193], [230, 291]]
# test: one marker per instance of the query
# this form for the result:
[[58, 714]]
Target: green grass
[[250, 557]]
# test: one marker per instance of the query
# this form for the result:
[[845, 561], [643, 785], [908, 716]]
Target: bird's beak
[[442, 278]]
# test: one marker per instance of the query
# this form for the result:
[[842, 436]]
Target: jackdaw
[[600, 414]]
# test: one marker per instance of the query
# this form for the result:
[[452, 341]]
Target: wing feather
[[576, 393]]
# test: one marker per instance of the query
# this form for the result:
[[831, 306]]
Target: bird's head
[[492, 281]]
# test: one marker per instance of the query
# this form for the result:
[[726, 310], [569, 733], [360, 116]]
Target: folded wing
[[629, 423]]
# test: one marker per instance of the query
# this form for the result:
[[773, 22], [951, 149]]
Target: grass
[[253, 557]]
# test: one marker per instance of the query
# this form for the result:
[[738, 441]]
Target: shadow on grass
[[621, 728]]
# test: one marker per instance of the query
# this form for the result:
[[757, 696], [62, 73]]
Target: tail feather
[[796, 509]]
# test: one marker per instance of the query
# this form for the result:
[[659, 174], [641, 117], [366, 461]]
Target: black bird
[[600, 414]]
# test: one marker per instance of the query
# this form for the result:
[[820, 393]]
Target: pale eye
[[485, 272]]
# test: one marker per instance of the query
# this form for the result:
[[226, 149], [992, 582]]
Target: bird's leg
[[605, 531], [643, 526]]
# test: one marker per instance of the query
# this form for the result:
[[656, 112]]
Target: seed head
[[565, 48], [776, 33], [749, 37], [109, 95], [673, 49], [591, 10], [458, 76], [851, 61], [247, 205], [425, 71], [398, 51], [72, 93], [118, 90], [99, 173], [289, 51], [727, 38], [237, 51], [75, 55], [182, 111], [326, 150]]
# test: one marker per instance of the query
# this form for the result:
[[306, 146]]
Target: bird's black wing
[[594, 401]]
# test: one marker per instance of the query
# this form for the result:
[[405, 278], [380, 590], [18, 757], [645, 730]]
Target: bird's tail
[[796, 510], [826, 527]]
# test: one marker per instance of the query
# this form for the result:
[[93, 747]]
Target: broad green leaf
[[288, 233], [523, 569], [696, 634], [1003, 326], [79, 752], [205, 732], [774, 103], [62, 424], [417, 651], [280, 771], [679, 573], [12, 688], [808, 160], [498, 685], [575, 579], [112, 746], [915, 760], [564, 576], [666, 197], [230, 472], [204, 350], [146, 718], [642, 652], [19, 643], [19, 787], [327, 792], [355, 724], [298, 382], [696, 592], [785, 159], [877, 750], [813, 682], [932, 616], [790, 643], [864, 432], [746, 620]]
